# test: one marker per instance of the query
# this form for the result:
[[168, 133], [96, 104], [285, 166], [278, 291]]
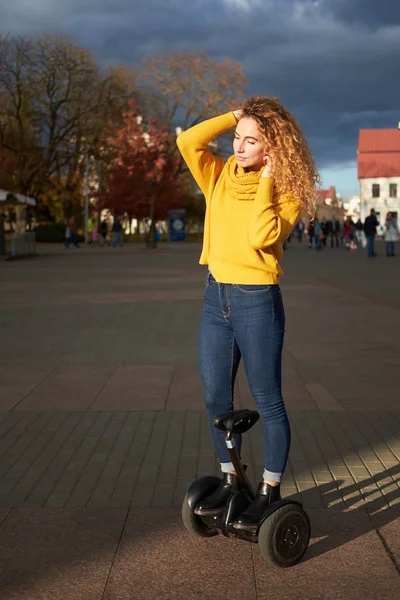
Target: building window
[[393, 190], [375, 190]]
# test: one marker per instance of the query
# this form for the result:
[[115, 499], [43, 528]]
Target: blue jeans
[[117, 239], [390, 248], [371, 245], [245, 321]]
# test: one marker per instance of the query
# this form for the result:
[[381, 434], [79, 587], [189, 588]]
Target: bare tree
[[188, 87], [184, 88], [57, 106]]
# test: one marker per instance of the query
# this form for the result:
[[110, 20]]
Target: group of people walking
[[106, 234], [322, 231], [350, 234], [99, 234], [391, 233]]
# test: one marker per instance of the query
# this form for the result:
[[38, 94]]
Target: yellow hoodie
[[245, 222]]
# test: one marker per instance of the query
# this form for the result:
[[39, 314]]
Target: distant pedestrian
[[117, 231], [104, 232], [359, 232], [318, 235], [95, 235], [70, 233], [91, 226], [327, 231], [300, 231], [312, 240], [370, 225], [348, 232], [335, 233], [392, 234]]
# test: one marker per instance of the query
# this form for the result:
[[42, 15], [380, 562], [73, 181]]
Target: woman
[[253, 201], [391, 234], [347, 232]]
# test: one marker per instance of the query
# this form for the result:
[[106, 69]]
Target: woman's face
[[248, 145]]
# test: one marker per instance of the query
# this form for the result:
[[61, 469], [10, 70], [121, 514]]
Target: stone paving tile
[[297, 396], [95, 465], [60, 461], [17, 461], [158, 558], [99, 459], [207, 460], [322, 398], [125, 485], [103, 554], [188, 457], [106, 482], [186, 391], [168, 466], [387, 524], [383, 425], [13, 428], [70, 387], [51, 553], [136, 387], [345, 559], [150, 466], [39, 467], [17, 381], [73, 471], [4, 512], [376, 443]]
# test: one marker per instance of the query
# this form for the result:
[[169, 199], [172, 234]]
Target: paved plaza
[[102, 428]]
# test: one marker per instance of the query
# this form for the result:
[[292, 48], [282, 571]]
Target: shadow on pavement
[[71, 551], [371, 514]]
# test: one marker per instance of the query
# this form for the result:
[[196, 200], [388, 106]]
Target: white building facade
[[382, 194], [378, 163]]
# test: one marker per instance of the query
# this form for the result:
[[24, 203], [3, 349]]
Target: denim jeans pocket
[[252, 289]]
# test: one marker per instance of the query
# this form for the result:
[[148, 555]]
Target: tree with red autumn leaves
[[141, 180]]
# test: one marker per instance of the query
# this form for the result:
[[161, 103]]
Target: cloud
[[245, 5], [370, 13], [334, 63]]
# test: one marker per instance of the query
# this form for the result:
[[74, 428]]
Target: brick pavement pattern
[[102, 427]]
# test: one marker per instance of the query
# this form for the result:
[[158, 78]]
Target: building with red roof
[[328, 206], [378, 165], [327, 197]]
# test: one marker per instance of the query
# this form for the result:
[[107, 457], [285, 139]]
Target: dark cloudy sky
[[334, 63]]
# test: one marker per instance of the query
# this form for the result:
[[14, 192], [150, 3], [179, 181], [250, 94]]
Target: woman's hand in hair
[[267, 171], [237, 114]]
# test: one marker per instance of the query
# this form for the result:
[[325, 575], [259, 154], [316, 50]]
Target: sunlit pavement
[[102, 427]]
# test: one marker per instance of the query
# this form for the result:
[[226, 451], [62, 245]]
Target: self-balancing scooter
[[283, 532]]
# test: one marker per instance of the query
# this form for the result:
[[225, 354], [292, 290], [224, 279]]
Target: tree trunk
[[151, 241], [2, 237]]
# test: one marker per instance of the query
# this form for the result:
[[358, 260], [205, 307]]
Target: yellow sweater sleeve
[[192, 144], [271, 221]]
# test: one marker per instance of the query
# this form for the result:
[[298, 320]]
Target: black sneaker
[[266, 494], [215, 503]]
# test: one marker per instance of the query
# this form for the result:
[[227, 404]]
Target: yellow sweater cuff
[[265, 192]]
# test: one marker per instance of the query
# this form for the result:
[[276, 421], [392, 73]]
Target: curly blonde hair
[[292, 162]]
